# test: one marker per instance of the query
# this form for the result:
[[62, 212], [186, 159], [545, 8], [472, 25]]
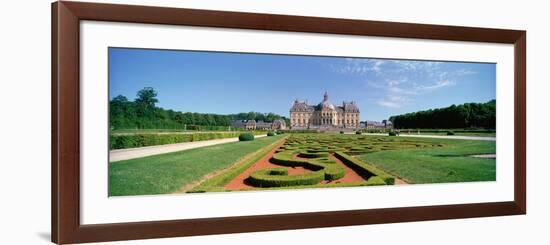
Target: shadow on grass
[[449, 155], [459, 155]]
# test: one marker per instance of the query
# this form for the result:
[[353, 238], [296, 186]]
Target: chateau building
[[324, 115], [278, 124], [385, 124]]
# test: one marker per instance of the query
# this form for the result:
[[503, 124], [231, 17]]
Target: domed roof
[[325, 103]]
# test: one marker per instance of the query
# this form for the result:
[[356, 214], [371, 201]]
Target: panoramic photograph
[[210, 122]]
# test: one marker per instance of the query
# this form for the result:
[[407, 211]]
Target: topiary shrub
[[271, 133], [358, 132], [341, 132], [392, 133], [450, 132], [246, 137]]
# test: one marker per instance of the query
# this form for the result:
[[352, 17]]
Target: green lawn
[[166, 173], [450, 163]]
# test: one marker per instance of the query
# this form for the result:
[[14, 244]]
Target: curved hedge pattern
[[314, 152], [323, 169], [278, 177], [217, 183]]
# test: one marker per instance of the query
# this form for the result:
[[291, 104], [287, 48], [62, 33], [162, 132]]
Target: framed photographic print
[[177, 122]]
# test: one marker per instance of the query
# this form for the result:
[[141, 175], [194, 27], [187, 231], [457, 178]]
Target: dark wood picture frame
[[65, 174]]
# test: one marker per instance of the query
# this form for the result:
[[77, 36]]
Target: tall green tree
[[142, 113], [468, 115], [145, 105], [147, 96]]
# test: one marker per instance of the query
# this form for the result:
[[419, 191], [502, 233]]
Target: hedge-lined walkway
[[126, 154], [166, 173]]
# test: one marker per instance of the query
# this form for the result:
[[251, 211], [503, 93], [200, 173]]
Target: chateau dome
[[325, 104]]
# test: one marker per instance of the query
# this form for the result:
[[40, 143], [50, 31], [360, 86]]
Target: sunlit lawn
[[166, 173], [451, 163]]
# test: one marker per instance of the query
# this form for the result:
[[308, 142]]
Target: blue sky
[[225, 83]]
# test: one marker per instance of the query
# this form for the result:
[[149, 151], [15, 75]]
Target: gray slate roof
[[302, 106]]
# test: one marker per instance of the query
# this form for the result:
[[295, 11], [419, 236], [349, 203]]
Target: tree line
[[142, 113], [468, 115]]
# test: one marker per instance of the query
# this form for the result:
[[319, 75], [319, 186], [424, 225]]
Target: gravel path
[[485, 156], [131, 153]]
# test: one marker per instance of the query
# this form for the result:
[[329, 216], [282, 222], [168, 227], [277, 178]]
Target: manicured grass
[[217, 182], [166, 173], [416, 160], [450, 163]]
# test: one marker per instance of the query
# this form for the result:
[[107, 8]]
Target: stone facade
[[259, 125], [385, 124], [324, 115]]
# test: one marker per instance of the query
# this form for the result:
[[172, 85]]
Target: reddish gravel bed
[[238, 182]]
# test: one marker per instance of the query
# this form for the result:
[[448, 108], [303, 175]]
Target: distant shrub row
[[124, 141]]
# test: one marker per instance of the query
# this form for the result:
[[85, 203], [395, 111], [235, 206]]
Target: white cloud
[[437, 85], [464, 72], [354, 66], [399, 81], [390, 104]]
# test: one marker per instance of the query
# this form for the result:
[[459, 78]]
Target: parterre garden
[[305, 160], [324, 158]]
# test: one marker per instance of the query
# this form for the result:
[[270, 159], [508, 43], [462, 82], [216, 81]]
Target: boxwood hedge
[[317, 162], [124, 141], [375, 180], [313, 154], [278, 177], [364, 169], [217, 183]]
